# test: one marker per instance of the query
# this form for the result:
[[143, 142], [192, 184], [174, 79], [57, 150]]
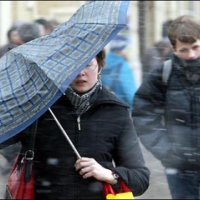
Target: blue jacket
[[118, 77]]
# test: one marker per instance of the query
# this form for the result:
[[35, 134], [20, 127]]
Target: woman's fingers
[[87, 166], [90, 168], [84, 162]]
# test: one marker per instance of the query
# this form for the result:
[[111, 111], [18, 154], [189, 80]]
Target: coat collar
[[104, 96]]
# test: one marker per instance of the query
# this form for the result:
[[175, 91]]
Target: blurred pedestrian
[[118, 75], [167, 115], [54, 23], [26, 32], [46, 26], [158, 53], [13, 41], [101, 129]]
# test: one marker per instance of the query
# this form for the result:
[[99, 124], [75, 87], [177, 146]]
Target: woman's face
[[87, 78]]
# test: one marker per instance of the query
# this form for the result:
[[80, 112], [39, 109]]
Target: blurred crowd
[[170, 134], [19, 33]]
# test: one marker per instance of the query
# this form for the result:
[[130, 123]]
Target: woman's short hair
[[101, 59]]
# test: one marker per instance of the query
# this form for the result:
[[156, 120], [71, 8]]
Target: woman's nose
[[82, 72]]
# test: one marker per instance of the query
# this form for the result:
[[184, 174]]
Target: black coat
[[167, 117], [106, 132], [7, 47]]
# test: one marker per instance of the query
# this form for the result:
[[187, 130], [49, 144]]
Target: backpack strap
[[167, 68]]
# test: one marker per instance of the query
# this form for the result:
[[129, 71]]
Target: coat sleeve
[[9, 142], [19, 137], [148, 115], [129, 160]]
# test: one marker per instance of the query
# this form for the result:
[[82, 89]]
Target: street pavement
[[3, 179], [158, 188]]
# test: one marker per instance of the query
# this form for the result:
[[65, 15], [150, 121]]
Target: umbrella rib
[[64, 133]]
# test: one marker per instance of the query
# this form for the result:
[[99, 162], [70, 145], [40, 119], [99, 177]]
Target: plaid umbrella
[[34, 75]]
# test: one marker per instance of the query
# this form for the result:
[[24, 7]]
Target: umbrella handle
[[65, 134]]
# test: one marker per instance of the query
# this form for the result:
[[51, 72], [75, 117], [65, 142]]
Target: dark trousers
[[183, 185]]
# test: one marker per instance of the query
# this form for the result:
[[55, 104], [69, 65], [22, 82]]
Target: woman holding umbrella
[[100, 127]]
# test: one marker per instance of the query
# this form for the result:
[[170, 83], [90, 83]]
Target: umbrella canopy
[[34, 75]]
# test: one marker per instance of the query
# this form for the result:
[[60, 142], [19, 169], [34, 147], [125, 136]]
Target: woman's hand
[[88, 167]]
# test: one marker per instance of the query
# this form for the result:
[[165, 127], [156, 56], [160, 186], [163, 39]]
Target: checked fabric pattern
[[34, 75]]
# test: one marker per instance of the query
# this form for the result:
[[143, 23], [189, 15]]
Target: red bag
[[21, 180], [124, 192]]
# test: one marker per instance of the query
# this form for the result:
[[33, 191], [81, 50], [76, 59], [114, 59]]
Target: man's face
[[187, 51]]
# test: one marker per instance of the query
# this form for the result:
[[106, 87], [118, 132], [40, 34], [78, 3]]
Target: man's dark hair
[[29, 31], [185, 29], [47, 24]]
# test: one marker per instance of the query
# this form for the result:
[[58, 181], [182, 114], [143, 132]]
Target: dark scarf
[[191, 68], [82, 103]]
